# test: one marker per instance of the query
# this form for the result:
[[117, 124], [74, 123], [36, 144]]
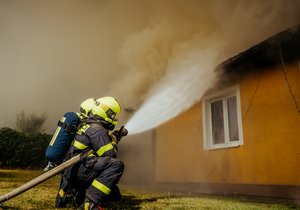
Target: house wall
[[270, 154]]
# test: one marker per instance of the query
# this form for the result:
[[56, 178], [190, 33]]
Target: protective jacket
[[98, 174]]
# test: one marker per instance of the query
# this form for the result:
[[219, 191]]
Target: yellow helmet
[[107, 108], [87, 106]]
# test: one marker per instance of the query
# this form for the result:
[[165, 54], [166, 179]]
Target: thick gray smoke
[[55, 54]]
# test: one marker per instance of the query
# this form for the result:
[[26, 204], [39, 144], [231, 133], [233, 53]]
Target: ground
[[42, 197]]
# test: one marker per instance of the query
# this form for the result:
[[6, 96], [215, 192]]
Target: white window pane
[[217, 122], [232, 119]]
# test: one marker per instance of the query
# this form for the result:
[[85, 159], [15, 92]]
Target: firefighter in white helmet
[[96, 177]]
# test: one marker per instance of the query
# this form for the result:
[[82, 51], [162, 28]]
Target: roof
[[285, 45]]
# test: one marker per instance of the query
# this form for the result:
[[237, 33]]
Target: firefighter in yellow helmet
[[85, 109], [107, 109], [87, 106], [95, 178]]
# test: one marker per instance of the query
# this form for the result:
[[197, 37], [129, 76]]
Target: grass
[[42, 197]]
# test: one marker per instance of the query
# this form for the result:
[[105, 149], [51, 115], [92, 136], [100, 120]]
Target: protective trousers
[[100, 176]]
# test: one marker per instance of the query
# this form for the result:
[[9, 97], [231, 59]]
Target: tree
[[32, 124]]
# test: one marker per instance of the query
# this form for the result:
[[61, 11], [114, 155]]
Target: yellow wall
[[271, 132]]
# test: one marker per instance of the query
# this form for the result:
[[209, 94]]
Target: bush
[[20, 150]]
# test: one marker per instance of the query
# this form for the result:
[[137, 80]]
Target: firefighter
[[66, 194], [95, 178], [85, 108]]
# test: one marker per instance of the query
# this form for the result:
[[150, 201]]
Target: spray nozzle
[[119, 133]]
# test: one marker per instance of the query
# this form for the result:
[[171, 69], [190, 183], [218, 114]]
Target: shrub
[[20, 150]]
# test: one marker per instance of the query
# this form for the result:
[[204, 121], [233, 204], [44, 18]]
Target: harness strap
[[69, 128]]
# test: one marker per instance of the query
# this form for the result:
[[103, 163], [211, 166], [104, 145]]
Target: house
[[243, 137]]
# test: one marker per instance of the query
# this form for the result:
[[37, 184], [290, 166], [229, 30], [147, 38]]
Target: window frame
[[207, 118]]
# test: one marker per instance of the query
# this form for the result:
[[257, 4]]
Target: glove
[[119, 133], [49, 166]]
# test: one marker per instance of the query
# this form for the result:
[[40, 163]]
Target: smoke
[[189, 74], [170, 63], [55, 54]]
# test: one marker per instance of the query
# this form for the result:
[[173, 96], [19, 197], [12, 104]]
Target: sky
[[54, 54]]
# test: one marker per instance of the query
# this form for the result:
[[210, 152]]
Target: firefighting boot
[[89, 205], [66, 195]]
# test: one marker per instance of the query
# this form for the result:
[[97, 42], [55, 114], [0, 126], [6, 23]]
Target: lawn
[[42, 197]]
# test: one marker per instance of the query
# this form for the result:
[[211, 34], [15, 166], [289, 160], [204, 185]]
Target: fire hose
[[45, 176]]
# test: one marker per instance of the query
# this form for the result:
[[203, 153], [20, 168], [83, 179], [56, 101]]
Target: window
[[222, 126]]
